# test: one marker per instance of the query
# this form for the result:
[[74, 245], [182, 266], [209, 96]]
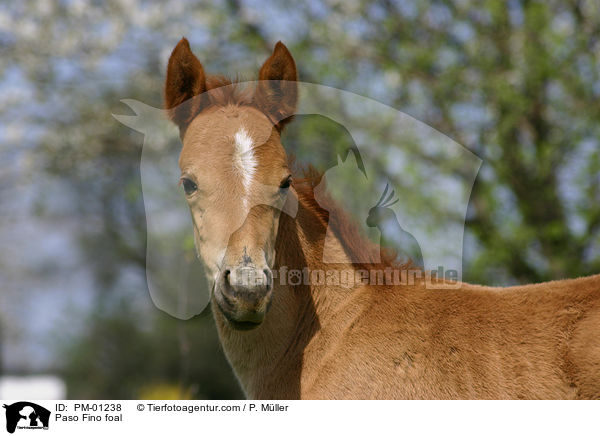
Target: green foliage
[[117, 356]]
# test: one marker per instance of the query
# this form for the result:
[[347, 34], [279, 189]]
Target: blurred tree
[[116, 356], [516, 82]]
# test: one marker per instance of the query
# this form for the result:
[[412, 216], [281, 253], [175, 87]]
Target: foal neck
[[268, 361]]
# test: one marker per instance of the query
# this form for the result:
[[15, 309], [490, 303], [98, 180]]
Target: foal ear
[[277, 97], [185, 80]]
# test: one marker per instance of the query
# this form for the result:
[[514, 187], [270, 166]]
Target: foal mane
[[223, 91], [333, 216]]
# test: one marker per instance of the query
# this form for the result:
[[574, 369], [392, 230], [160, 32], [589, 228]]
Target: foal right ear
[[277, 93], [185, 80]]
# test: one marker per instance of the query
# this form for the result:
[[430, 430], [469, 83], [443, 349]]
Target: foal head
[[234, 173]]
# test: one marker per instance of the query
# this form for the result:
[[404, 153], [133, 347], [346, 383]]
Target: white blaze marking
[[244, 160]]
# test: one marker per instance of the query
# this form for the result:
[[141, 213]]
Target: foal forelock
[[245, 160]]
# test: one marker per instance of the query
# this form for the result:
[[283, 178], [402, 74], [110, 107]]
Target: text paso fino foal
[[328, 342]]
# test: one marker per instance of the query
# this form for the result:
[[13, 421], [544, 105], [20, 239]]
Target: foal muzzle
[[243, 295]]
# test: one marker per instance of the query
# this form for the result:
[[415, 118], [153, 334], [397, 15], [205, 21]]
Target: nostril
[[226, 275], [269, 276]]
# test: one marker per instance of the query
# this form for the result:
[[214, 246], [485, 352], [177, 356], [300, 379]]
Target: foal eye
[[188, 186], [285, 184]]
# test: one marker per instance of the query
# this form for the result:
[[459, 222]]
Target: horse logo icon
[[26, 415]]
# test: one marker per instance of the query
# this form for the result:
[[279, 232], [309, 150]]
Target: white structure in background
[[32, 387]]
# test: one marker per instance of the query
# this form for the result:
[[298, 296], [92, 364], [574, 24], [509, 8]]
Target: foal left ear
[[278, 94], [185, 80]]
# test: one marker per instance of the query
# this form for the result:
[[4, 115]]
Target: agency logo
[[26, 416]]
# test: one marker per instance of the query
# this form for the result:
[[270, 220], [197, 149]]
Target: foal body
[[367, 341], [537, 341]]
